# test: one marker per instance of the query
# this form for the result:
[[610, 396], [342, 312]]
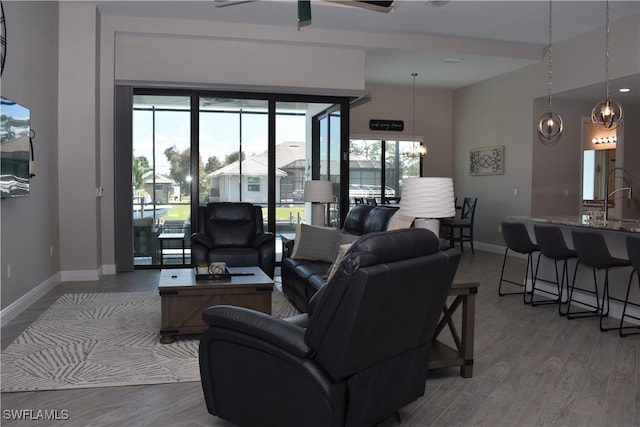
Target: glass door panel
[[333, 215], [233, 144], [293, 165], [161, 180]]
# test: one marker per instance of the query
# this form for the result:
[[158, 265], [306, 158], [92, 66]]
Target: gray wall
[[502, 111], [30, 225], [433, 120]]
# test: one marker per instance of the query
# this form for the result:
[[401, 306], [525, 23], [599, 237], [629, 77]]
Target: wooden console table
[[443, 355]]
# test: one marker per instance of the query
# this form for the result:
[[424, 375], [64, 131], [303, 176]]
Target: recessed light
[[624, 90], [451, 60]]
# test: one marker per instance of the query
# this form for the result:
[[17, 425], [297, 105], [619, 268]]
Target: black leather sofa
[[233, 233], [361, 352], [302, 278]]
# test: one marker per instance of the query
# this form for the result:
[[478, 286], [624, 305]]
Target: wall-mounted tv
[[15, 149]]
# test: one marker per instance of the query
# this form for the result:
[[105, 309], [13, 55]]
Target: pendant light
[[417, 149], [550, 124], [607, 114]]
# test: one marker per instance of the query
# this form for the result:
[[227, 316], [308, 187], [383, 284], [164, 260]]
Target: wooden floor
[[531, 368]]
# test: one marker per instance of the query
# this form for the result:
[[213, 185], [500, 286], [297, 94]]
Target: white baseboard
[[14, 309]]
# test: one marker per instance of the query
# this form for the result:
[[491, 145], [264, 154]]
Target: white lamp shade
[[318, 191], [428, 197]]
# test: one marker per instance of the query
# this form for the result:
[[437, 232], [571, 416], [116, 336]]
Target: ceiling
[[490, 37]]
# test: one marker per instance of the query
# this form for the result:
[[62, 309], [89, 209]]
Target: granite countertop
[[627, 225]]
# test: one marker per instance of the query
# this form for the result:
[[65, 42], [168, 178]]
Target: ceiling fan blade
[[385, 6], [225, 3], [304, 12]]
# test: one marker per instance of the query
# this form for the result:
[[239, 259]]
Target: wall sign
[[394, 125]]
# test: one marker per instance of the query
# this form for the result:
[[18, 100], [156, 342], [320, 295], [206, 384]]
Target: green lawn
[[284, 213], [178, 212]]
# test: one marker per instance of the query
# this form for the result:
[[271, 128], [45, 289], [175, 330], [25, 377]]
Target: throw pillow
[[315, 243], [342, 250], [399, 220], [344, 238]]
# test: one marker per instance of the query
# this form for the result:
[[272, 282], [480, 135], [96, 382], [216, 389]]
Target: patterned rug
[[102, 340]]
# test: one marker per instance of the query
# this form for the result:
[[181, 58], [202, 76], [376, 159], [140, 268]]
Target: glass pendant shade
[[607, 114], [550, 127], [417, 149], [550, 124]]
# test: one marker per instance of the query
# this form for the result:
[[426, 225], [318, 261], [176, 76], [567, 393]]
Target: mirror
[[598, 159]]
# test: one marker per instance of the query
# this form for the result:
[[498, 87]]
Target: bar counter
[[626, 225], [615, 233]]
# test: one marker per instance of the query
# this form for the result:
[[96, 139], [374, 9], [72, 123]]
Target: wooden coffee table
[[183, 299]]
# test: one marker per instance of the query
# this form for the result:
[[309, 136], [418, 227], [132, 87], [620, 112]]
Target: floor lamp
[[428, 199], [318, 193]]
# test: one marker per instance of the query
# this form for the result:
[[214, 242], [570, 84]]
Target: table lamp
[[428, 199], [318, 193]]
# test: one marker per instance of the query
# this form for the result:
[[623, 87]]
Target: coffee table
[[183, 299]]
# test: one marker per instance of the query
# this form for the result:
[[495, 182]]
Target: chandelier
[[416, 149], [607, 114], [550, 124]]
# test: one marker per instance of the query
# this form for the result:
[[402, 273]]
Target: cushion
[[399, 220], [342, 250], [344, 238], [315, 243]]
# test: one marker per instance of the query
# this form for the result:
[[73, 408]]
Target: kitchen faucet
[[627, 178]]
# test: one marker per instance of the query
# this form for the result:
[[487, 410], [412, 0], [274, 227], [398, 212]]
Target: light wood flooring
[[532, 368]]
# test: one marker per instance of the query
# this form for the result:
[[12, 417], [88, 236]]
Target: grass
[[283, 213]]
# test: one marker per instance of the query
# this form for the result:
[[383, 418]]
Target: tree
[[180, 169], [140, 168], [368, 150], [213, 163], [232, 157]]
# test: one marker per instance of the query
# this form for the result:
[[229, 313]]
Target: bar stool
[[593, 252], [633, 249], [553, 246], [517, 238]]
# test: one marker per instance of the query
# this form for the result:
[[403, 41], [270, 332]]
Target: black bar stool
[[593, 252], [633, 249], [552, 245], [517, 238]]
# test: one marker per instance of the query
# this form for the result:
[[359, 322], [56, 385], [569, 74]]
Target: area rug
[[103, 340]]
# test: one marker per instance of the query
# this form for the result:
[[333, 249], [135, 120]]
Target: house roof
[[250, 166]]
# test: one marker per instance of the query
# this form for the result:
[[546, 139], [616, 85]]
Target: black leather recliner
[[233, 233], [359, 354]]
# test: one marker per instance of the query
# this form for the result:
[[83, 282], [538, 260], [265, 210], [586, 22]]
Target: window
[[377, 168], [253, 183]]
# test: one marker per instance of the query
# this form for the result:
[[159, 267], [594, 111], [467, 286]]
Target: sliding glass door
[[190, 148]]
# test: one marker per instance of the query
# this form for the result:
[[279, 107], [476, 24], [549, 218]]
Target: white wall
[[29, 225]]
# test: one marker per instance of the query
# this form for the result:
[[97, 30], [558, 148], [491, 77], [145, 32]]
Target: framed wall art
[[487, 161]]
